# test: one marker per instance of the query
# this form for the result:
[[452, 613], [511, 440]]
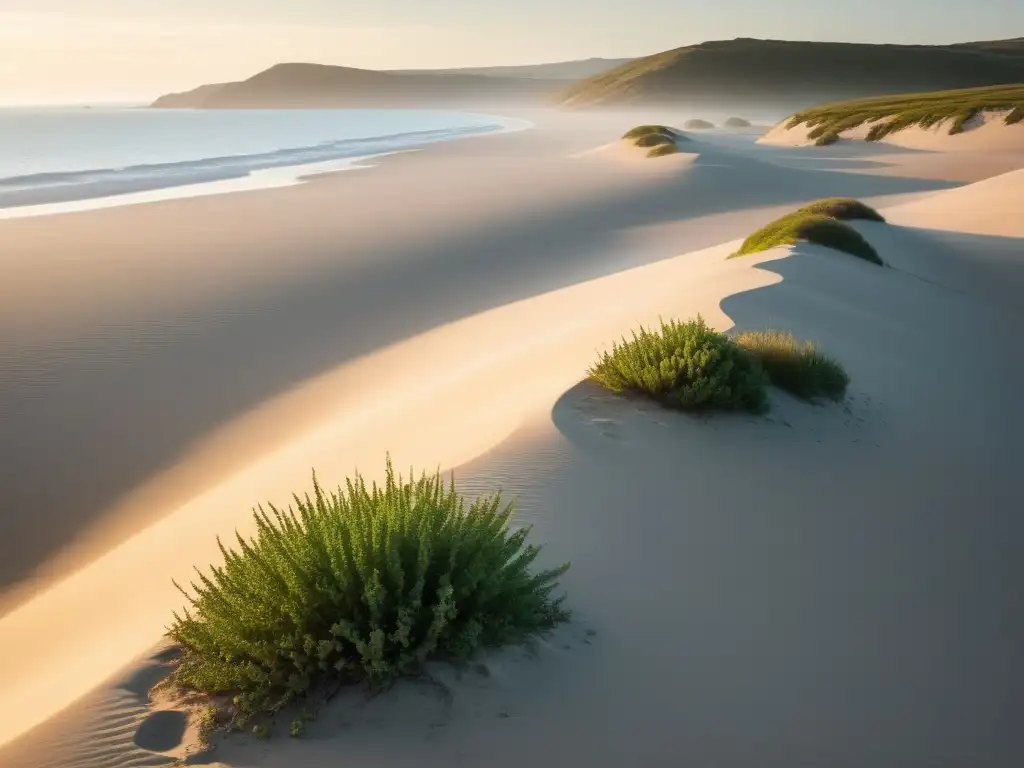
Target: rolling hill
[[317, 86], [562, 70], [792, 75]]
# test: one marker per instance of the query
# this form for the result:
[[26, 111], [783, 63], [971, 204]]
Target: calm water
[[60, 155]]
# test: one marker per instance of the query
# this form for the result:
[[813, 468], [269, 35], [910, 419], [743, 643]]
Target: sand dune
[[825, 585], [986, 132]]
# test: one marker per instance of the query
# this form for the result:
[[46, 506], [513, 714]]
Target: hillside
[[562, 70], [316, 85], [792, 75]]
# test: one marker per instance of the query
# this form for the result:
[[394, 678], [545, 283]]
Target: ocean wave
[[62, 186]]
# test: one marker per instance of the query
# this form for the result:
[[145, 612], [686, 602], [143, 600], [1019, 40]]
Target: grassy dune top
[[660, 140], [822, 223], [894, 113]]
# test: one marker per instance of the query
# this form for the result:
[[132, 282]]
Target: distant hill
[[792, 75], [317, 85], [562, 70]]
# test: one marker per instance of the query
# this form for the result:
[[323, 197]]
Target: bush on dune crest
[[646, 130], [842, 208], [663, 151], [811, 228], [796, 366], [821, 223], [366, 583], [684, 365], [653, 140]]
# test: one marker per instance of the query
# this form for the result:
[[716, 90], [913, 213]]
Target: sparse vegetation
[[648, 130], [365, 583], [698, 124], [653, 140], [736, 122], [889, 114], [842, 208], [796, 366], [663, 150], [812, 228], [207, 724], [686, 365]]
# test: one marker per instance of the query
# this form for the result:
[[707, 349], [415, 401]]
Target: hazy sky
[[78, 50]]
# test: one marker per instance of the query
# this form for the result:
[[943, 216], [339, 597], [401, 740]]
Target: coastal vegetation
[[822, 223], [698, 125], [798, 367], [366, 583], [663, 150], [736, 122], [684, 365], [889, 114], [648, 130], [660, 140]]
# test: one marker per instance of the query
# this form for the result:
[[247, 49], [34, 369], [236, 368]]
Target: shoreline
[[259, 179]]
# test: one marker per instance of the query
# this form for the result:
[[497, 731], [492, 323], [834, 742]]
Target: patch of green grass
[[842, 208], [365, 583], [647, 130], [698, 124], [889, 114], [812, 228], [207, 724], [736, 122], [685, 365], [663, 150], [796, 366], [653, 140]]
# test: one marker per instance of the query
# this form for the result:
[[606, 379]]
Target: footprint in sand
[[161, 731]]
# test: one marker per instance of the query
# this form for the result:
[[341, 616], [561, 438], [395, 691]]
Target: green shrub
[[812, 228], [796, 366], [698, 124], [889, 114], [646, 130], [823, 140], [653, 140], [663, 150], [736, 122], [842, 208], [684, 365], [363, 584]]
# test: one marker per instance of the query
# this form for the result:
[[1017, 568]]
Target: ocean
[[55, 159]]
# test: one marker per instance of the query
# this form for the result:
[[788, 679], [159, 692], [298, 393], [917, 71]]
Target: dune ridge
[[799, 585]]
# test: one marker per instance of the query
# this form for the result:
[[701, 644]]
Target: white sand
[[828, 585]]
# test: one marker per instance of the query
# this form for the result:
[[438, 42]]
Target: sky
[[73, 51]]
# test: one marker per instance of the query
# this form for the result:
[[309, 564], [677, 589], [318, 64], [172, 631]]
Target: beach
[[827, 584]]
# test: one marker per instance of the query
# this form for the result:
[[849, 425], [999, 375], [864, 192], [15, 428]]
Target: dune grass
[[736, 122], [889, 114], [830, 137], [698, 124], [663, 150], [647, 130], [820, 222], [653, 140], [842, 208], [684, 365], [812, 228], [796, 366], [365, 583]]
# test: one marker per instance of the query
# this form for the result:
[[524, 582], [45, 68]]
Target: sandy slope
[[984, 133], [828, 585]]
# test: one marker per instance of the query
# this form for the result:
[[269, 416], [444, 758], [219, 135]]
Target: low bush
[[796, 366], [824, 139], [842, 208], [686, 365], [697, 124], [653, 140], [646, 130], [812, 228], [664, 150], [367, 583]]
